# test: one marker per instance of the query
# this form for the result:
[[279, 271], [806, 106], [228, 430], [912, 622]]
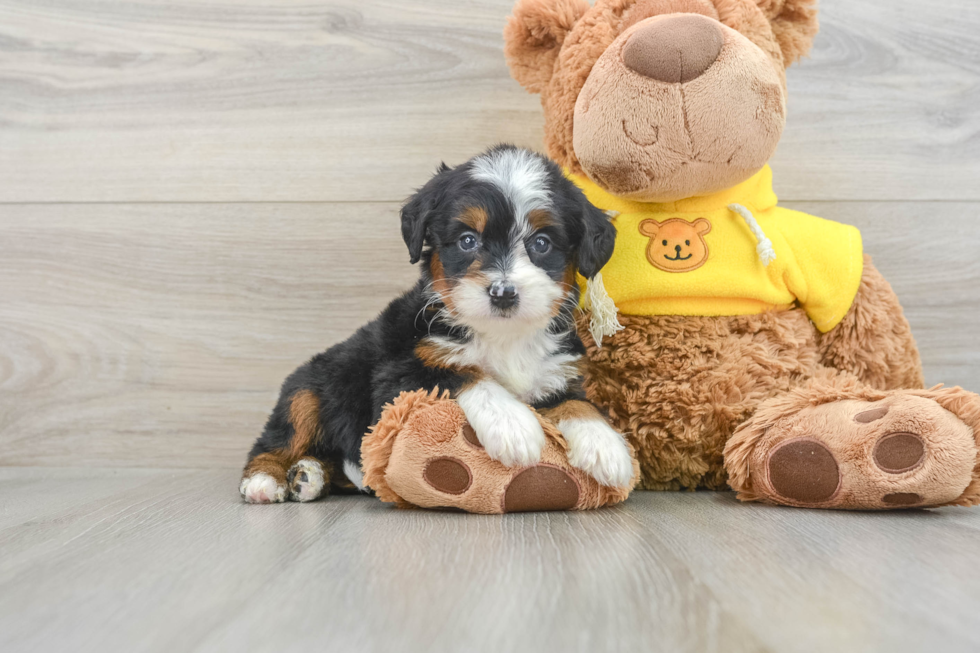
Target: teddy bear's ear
[[534, 35], [795, 24]]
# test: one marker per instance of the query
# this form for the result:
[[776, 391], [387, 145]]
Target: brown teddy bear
[[756, 347]]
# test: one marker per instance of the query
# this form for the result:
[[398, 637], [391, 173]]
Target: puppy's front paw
[[597, 449], [515, 438], [506, 428], [262, 488]]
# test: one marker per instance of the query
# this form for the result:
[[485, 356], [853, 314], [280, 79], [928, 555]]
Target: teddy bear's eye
[[665, 243], [687, 242]]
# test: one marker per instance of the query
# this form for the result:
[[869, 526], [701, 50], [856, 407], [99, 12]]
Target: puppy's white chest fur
[[528, 366]]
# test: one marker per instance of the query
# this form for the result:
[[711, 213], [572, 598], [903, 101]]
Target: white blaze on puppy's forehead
[[521, 176]]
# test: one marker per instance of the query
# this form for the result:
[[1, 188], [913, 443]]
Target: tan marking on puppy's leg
[[264, 478], [572, 410], [304, 415], [272, 463]]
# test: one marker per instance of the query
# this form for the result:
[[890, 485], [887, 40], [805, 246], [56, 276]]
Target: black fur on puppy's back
[[354, 379]]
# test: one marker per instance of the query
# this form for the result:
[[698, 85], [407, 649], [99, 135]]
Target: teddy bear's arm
[[874, 340]]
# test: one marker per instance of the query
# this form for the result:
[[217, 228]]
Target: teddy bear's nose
[[674, 49]]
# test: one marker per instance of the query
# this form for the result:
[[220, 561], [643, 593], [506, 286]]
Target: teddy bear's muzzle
[[678, 106]]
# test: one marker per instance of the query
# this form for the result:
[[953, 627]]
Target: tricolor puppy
[[491, 320]]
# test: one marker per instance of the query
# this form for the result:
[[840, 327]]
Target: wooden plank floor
[[139, 560]]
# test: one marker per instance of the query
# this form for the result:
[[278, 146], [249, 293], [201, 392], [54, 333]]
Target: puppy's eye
[[687, 242], [540, 245], [468, 242], [665, 243]]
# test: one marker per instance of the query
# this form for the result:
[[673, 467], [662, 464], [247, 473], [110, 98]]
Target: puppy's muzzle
[[502, 295]]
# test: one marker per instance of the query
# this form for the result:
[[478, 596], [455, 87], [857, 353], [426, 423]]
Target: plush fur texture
[[681, 386], [501, 239], [824, 408]]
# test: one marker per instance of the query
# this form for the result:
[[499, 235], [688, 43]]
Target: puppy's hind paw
[[306, 480], [262, 488]]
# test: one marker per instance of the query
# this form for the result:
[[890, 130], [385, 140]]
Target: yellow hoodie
[[707, 255]]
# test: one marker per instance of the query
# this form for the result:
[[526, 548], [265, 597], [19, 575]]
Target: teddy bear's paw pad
[[306, 480], [449, 475], [904, 451], [872, 415], [804, 471], [469, 435], [902, 499], [262, 488], [897, 453], [541, 488]]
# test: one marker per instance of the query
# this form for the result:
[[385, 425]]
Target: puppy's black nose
[[677, 248], [502, 295]]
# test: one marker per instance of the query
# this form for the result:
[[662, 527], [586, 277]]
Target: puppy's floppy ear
[[598, 240], [533, 36], [417, 213]]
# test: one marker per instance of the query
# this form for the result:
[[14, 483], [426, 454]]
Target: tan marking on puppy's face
[[569, 285], [475, 218], [440, 284], [676, 245], [539, 220]]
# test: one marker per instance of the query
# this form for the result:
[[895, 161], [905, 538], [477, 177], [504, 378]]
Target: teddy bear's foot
[[424, 453], [860, 450]]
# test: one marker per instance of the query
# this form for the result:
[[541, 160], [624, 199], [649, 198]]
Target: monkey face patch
[[676, 245]]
